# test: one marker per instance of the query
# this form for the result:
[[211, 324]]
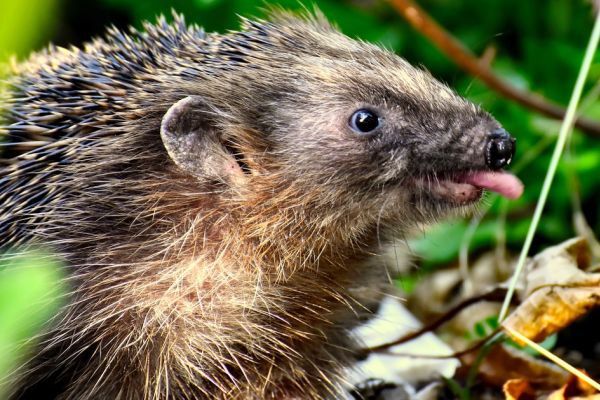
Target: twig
[[495, 294], [490, 340], [465, 59]]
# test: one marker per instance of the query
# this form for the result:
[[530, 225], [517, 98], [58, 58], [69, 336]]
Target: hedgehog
[[222, 200]]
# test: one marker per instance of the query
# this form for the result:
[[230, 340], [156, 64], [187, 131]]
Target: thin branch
[[495, 294], [457, 354], [466, 60]]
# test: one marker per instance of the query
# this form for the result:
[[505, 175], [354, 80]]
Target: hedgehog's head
[[300, 107]]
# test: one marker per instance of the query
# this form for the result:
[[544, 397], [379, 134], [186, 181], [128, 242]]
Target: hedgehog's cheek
[[193, 143]]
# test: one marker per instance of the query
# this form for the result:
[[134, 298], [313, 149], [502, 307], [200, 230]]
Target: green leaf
[[23, 24], [31, 290]]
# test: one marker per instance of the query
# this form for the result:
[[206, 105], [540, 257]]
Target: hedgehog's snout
[[500, 149]]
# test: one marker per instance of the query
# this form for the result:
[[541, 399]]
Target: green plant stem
[[565, 129], [485, 350]]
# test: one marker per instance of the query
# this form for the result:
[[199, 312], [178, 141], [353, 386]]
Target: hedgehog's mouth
[[467, 187]]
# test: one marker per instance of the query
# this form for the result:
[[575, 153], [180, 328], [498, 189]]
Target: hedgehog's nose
[[500, 149]]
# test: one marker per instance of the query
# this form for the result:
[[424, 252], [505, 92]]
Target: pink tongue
[[500, 182]]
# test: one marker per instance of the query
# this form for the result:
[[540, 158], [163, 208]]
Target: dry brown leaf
[[518, 389], [563, 264], [555, 290], [504, 363], [575, 389], [551, 309]]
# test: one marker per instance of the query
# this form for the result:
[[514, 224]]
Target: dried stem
[[495, 294], [466, 60]]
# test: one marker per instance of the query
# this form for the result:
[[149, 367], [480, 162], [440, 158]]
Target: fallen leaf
[[575, 389], [504, 363], [518, 389], [555, 290]]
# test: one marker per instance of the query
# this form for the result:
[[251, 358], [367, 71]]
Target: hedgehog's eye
[[364, 121]]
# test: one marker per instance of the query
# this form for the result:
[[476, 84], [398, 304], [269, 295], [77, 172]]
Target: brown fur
[[235, 288]]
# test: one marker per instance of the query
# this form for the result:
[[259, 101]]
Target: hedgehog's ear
[[192, 140]]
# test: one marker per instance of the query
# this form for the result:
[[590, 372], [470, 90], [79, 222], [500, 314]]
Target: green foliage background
[[31, 288], [539, 46]]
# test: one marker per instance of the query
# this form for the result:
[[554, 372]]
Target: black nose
[[500, 149]]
